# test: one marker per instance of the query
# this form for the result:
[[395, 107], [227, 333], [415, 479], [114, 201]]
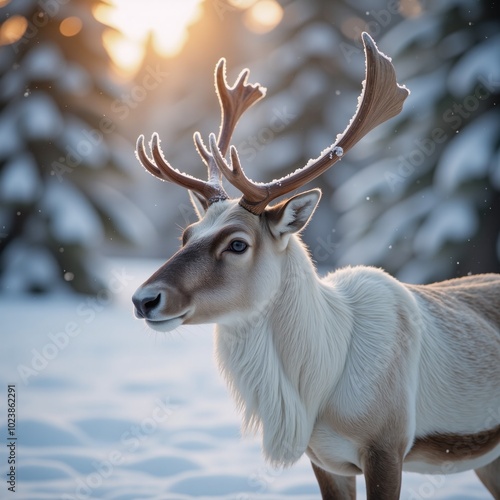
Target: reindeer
[[362, 373]]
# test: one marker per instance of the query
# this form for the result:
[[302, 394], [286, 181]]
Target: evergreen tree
[[58, 155], [434, 209]]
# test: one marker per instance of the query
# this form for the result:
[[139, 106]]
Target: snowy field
[[107, 409]]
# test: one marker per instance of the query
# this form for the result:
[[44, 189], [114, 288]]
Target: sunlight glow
[[70, 26], [263, 16], [165, 20], [242, 4], [12, 29]]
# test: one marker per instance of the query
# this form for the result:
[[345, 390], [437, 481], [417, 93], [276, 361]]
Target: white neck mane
[[271, 359]]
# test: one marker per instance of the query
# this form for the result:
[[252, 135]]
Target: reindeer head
[[231, 259]]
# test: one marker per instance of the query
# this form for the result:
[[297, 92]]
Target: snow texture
[[73, 219], [44, 62], [83, 143], [19, 182], [40, 118], [476, 63], [467, 157], [28, 263], [452, 220]]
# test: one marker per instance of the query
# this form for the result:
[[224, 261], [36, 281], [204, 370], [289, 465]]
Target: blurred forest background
[[420, 196]]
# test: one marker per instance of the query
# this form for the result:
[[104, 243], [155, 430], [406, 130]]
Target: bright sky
[[167, 20]]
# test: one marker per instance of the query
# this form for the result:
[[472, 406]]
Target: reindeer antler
[[234, 101], [381, 98]]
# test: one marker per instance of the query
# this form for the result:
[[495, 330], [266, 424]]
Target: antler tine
[[234, 101], [214, 174], [234, 173], [144, 159], [381, 99], [160, 168], [211, 191]]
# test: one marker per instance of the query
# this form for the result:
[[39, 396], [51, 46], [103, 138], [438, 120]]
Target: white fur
[[336, 365], [326, 342], [272, 365]]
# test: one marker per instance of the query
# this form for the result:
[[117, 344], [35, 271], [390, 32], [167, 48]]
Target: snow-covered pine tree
[[58, 153], [431, 209]]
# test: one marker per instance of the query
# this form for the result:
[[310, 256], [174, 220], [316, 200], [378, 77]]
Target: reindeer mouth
[[167, 325]]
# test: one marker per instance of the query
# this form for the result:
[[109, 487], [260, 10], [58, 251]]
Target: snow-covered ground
[[107, 409]]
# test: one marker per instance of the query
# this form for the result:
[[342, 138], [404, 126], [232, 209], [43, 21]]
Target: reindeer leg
[[490, 477], [383, 471], [335, 487]]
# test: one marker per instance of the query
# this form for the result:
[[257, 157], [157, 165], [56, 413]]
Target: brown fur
[[335, 487], [382, 467], [480, 294], [438, 448]]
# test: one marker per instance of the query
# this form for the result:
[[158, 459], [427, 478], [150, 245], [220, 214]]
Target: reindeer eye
[[237, 246]]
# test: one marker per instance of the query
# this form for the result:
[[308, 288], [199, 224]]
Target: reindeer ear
[[199, 203], [292, 215]]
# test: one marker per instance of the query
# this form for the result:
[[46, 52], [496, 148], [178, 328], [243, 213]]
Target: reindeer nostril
[[145, 305], [149, 304]]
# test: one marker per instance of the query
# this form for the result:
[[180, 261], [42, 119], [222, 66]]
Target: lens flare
[[165, 21]]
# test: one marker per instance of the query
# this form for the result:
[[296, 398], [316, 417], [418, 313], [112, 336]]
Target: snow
[[368, 181], [316, 40], [44, 62], [424, 92], [40, 118], [410, 31], [476, 64], [468, 155], [127, 218], [72, 218], [454, 44], [28, 264], [452, 220], [82, 143], [75, 80], [19, 181], [114, 411], [384, 230]]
